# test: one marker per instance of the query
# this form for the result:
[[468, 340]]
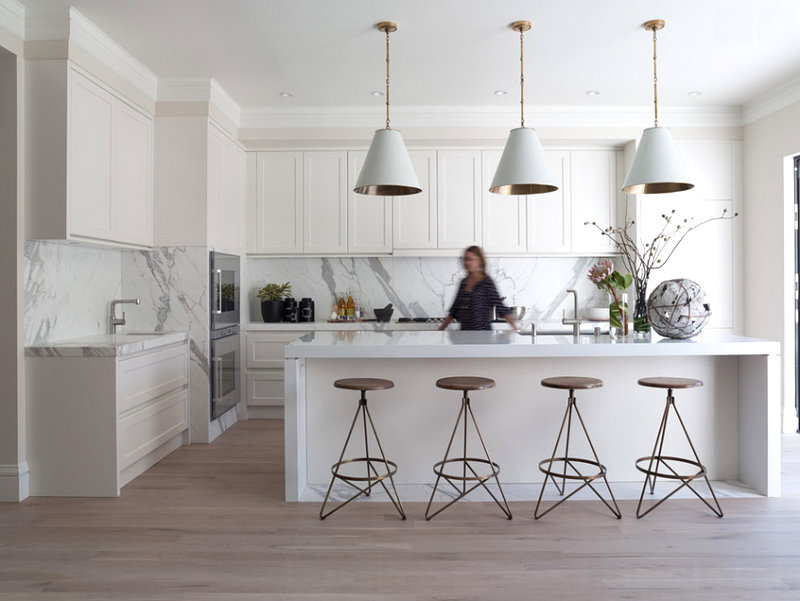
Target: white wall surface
[[769, 143]]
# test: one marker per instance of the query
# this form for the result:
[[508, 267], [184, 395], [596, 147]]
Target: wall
[[424, 286], [768, 238]]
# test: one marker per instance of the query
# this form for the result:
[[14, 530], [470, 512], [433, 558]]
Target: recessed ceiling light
[[378, 93], [695, 93], [592, 93], [500, 92], [286, 95]]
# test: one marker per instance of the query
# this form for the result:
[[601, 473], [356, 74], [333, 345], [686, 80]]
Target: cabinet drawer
[[265, 388], [265, 349], [149, 427], [151, 375]]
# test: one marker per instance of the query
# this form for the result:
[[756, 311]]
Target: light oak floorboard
[[208, 522]]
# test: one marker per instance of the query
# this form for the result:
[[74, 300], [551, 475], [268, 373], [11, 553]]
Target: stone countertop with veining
[[106, 345]]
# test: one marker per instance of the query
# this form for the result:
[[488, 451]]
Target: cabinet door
[[214, 185], [459, 196], [548, 215], [593, 176], [369, 218], [133, 176], [504, 221], [325, 202], [276, 223], [91, 110], [414, 216], [230, 205]]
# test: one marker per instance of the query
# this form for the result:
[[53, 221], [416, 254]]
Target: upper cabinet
[[92, 153], [226, 175], [311, 193]]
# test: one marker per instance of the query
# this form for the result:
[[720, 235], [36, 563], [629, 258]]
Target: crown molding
[[774, 100], [77, 29], [481, 116], [194, 89], [12, 18]]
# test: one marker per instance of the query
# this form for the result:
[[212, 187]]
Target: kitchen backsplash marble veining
[[68, 289], [425, 286]]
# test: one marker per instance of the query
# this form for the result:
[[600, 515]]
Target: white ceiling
[[458, 52]]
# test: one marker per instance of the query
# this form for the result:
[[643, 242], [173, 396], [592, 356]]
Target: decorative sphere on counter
[[678, 308]]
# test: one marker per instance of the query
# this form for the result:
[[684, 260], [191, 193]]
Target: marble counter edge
[[105, 345]]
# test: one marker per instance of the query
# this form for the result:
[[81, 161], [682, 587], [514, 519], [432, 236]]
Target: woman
[[476, 297]]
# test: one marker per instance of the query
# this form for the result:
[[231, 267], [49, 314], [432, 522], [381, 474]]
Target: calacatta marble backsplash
[[424, 286]]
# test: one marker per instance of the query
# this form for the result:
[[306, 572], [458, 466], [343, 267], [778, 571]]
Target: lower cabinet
[[264, 372], [95, 423]]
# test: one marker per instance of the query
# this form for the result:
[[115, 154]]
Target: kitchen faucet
[[120, 321], [574, 322]]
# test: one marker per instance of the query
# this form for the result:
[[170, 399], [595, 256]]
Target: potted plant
[[271, 297]]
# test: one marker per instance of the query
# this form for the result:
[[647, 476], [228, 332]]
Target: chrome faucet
[[574, 322], [120, 321]]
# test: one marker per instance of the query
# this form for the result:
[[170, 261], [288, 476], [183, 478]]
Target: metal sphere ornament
[[678, 308]]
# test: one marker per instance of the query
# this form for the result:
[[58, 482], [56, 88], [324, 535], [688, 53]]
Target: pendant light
[[387, 170], [523, 168], [657, 165]]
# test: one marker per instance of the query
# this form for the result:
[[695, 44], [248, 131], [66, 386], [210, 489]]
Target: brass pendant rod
[[387, 78], [655, 79], [521, 80]]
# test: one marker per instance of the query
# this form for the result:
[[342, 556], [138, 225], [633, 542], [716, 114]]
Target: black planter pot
[[271, 311]]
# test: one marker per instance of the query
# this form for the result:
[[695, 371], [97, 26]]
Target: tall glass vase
[[641, 324], [618, 315]]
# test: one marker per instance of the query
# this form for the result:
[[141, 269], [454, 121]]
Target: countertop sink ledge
[[106, 345]]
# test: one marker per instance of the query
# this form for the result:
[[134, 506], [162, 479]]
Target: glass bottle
[[341, 307], [351, 307]]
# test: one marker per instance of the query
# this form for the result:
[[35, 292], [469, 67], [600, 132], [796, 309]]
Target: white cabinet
[[95, 423], [593, 182], [458, 198], [414, 217], [225, 191], [275, 213], [92, 153], [369, 218], [548, 215], [264, 372], [325, 202], [504, 215]]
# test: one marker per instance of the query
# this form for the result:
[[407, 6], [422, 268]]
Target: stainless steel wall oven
[[224, 301]]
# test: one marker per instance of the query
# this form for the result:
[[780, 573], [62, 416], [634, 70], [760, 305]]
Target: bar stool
[[652, 472], [373, 476], [465, 384], [573, 383]]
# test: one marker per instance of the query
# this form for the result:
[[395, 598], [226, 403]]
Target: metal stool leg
[[372, 476], [480, 480], [587, 479], [663, 460]]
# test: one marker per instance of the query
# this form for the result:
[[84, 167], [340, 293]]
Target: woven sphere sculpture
[[678, 308]]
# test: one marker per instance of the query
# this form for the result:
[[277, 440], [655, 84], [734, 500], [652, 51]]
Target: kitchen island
[[734, 418]]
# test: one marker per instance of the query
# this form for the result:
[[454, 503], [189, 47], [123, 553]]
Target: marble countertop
[[507, 343], [106, 345], [386, 326]]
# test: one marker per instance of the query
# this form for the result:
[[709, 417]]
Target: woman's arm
[[446, 322]]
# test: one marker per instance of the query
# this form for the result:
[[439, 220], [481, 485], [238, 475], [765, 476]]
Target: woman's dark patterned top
[[473, 308]]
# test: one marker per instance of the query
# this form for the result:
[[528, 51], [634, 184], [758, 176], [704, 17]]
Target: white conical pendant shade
[[658, 166], [523, 168], [387, 170]]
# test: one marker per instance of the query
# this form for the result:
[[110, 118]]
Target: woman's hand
[[445, 323], [510, 320]]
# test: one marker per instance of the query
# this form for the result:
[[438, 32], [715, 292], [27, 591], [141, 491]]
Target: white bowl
[[596, 313]]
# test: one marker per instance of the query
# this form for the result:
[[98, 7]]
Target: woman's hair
[[477, 251]]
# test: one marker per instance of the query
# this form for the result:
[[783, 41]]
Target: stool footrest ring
[[391, 468], [438, 469], [548, 471], [672, 475]]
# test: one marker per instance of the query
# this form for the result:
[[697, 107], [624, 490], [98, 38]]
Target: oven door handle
[[217, 378], [218, 276]]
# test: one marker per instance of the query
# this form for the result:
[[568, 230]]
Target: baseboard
[[14, 482], [139, 466], [264, 412]]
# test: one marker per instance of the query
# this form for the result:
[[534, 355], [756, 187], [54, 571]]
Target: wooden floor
[[208, 522]]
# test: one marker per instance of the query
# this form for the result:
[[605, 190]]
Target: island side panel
[[295, 428], [759, 423], [519, 419]]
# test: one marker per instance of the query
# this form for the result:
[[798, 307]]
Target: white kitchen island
[[734, 419]]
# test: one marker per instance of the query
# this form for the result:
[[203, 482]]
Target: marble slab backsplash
[[68, 290], [425, 286]]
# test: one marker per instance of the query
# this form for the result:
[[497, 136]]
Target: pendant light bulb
[[523, 168], [657, 165], [387, 170]]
